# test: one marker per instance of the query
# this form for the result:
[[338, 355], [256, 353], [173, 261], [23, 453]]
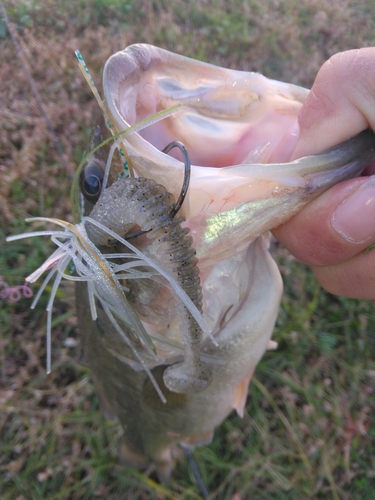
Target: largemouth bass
[[240, 129]]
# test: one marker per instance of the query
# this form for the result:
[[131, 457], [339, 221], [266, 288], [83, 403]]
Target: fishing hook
[[185, 184]]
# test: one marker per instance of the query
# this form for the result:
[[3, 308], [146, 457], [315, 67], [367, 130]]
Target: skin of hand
[[332, 233]]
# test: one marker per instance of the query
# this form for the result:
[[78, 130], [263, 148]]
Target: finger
[[341, 102], [354, 278], [335, 227], [340, 223]]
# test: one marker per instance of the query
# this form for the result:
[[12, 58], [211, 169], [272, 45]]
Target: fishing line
[[195, 471]]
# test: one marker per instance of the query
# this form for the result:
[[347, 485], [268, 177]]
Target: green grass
[[308, 429]]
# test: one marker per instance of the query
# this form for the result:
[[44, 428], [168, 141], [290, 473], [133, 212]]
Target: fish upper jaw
[[247, 200]]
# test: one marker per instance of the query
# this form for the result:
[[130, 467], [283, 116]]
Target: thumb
[[332, 232]]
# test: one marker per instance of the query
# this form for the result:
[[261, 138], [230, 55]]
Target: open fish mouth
[[240, 130], [226, 116]]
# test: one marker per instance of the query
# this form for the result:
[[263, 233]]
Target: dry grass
[[308, 431]]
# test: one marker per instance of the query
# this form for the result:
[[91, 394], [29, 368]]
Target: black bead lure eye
[[91, 180]]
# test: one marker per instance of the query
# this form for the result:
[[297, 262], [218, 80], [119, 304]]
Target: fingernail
[[354, 218]]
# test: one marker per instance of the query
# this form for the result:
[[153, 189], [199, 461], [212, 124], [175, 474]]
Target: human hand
[[332, 232]]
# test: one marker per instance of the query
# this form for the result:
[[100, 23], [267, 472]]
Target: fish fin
[[272, 345], [164, 465], [241, 394]]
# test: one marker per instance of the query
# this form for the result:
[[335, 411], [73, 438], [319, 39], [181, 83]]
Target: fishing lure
[[143, 202], [152, 207]]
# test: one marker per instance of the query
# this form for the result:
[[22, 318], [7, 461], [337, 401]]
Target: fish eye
[[91, 180], [91, 185]]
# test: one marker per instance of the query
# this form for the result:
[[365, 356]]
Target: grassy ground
[[308, 431]]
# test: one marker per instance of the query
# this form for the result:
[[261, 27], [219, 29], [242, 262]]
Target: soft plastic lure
[[149, 205], [143, 202]]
